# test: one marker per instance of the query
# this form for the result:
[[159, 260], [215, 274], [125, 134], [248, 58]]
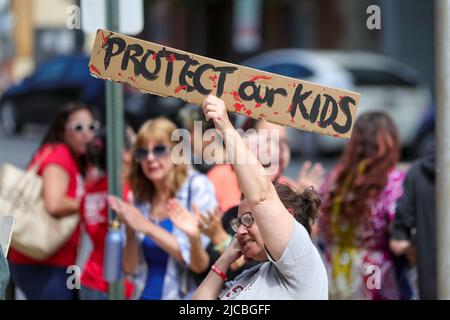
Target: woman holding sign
[[272, 227]]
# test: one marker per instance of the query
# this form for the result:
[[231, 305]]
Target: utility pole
[[114, 132], [442, 13]]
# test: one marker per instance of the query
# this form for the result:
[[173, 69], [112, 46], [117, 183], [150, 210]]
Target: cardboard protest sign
[[164, 71], [6, 230]]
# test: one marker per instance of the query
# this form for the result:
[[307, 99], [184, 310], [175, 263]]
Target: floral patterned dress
[[357, 257]]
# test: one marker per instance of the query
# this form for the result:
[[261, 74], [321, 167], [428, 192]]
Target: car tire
[[9, 122]]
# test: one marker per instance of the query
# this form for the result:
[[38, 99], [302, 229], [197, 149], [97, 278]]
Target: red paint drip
[[238, 107], [105, 39], [275, 112], [336, 135], [260, 77], [132, 79], [214, 85], [171, 58], [257, 105], [236, 96], [319, 123], [154, 55], [93, 69], [179, 88], [120, 74], [248, 112], [289, 108], [292, 120], [213, 78], [340, 97], [262, 115]]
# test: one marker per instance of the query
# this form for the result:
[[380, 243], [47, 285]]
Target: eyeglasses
[[246, 219], [160, 150], [85, 126]]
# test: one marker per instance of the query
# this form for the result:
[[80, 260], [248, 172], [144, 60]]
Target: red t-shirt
[[226, 185], [94, 216], [61, 156]]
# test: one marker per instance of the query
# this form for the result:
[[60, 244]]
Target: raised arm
[[272, 218]]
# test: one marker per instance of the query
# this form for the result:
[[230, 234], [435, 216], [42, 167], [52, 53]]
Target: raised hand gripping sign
[[164, 71]]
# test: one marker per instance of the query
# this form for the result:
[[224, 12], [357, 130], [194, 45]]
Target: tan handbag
[[37, 234]]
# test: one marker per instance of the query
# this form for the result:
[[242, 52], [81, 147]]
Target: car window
[[50, 72], [364, 77], [289, 70]]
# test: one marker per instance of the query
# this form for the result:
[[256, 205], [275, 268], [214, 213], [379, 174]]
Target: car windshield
[[289, 70], [366, 77], [50, 72]]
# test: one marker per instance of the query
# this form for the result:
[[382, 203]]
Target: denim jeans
[[42, 282], [87, 293]]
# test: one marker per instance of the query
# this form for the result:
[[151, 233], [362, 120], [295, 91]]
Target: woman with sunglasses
[[272, 227], [158, 253], [63, 167]]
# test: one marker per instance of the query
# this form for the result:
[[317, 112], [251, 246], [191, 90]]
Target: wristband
[[219, 272]]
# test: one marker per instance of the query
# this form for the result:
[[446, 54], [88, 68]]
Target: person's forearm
[[130, 258], [210, 288], [164, 239], [62, 207], [253, 180], [199, 256]]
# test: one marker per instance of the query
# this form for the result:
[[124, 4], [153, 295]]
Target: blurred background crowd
[[368, 191]]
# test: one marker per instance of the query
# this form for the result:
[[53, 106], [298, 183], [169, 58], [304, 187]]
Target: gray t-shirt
[[298, 274]]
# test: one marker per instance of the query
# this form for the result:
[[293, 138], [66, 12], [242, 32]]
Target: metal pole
[[114, 131], [443, 146]]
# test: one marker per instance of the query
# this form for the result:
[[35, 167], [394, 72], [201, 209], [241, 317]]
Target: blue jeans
[[87, 293], [42, 282]]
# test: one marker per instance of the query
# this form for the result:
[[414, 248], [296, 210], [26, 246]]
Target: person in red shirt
[[62, 169], [94, 218]]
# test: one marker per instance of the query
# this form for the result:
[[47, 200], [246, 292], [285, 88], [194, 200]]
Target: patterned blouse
[[357, 257]]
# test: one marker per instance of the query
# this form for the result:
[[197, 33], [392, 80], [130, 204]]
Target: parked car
[[66, 78], [386, 85], [383, 83]]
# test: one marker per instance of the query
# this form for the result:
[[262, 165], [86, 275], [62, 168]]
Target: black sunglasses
[[158, 151], [246, 219]]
